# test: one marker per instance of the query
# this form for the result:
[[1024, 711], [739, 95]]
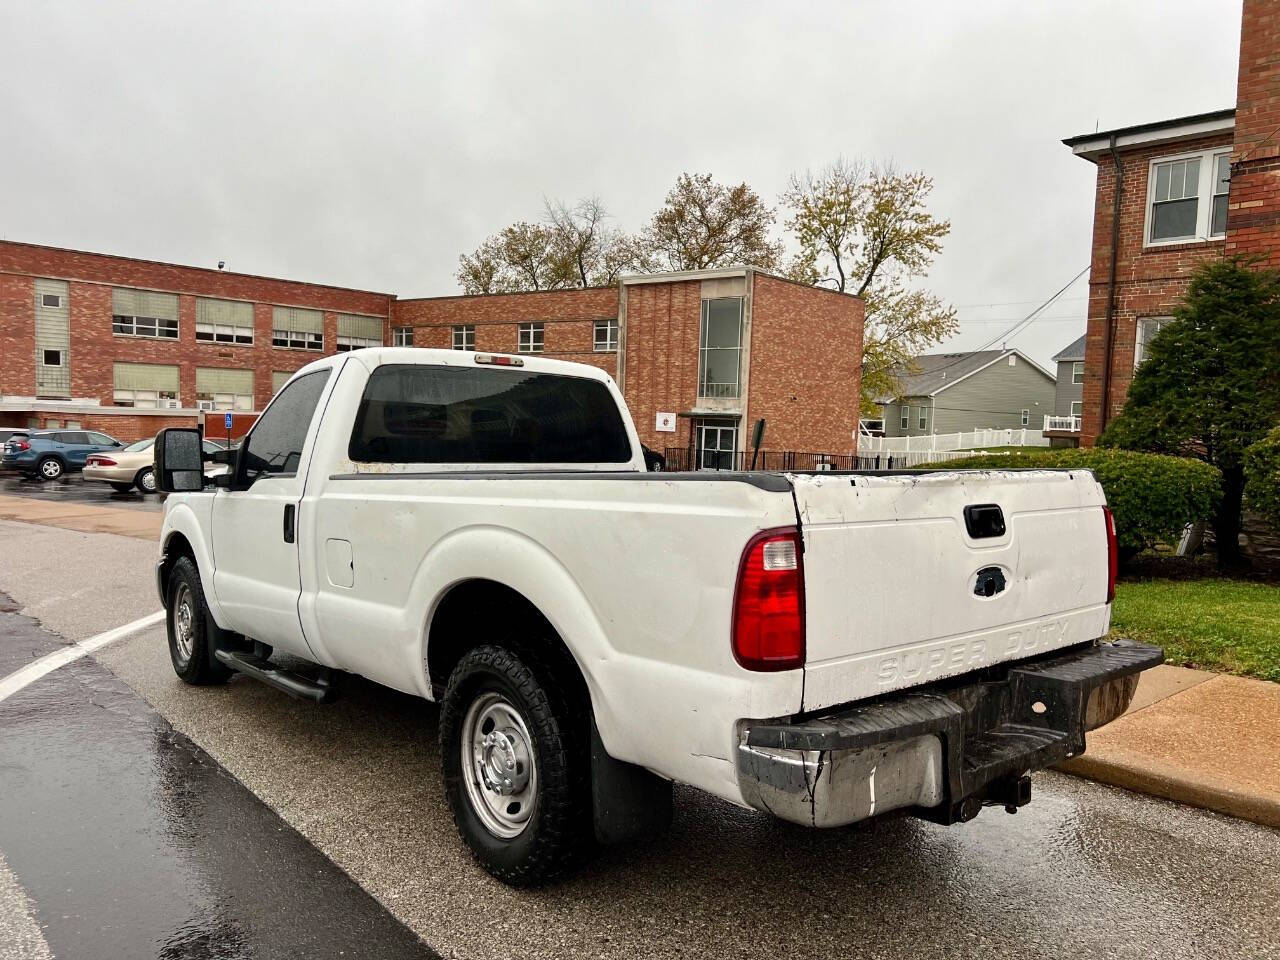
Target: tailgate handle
[[984, 520]]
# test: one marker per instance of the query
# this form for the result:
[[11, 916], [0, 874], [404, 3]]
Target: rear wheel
[[50, 468], [190, 628], [515, 767], [146, 480], [122, 487]]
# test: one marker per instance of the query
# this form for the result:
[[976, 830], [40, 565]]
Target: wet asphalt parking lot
[[170, 821]]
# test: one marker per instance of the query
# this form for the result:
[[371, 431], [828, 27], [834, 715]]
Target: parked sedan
[[134, 466], [48, 454]]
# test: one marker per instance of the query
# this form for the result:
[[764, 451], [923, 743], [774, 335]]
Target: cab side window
[[274, 448]]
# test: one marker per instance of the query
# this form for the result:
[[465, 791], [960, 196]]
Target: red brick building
[[1171, 195], [128, 346]]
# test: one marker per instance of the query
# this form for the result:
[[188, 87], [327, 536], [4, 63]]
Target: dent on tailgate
[[898, 593]]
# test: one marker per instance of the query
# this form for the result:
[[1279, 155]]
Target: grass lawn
[[1232, 626]]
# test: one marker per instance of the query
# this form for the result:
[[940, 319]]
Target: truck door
[[255, 520]]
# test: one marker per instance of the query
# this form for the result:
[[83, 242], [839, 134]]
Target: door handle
[[289, 514]]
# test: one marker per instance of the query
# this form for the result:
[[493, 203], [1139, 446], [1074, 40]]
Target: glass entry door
[[717, 444]]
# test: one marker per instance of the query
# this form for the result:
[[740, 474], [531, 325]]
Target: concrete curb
[[1173, 783]]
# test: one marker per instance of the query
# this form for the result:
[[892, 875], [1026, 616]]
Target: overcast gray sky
[[368, 144]]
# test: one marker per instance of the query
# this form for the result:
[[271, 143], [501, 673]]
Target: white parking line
[[47, 664]]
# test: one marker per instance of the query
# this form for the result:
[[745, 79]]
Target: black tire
[[50, 468], [558, 833], [122, 487], [193, 660], [145, 481]]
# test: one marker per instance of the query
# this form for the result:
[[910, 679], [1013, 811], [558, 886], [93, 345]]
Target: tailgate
[[899, 593]]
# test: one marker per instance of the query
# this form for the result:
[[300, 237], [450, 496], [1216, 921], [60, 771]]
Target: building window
[[924, 418], [50, 300], [402, 336], [164, 328], [720, 347], [1148, 327], [464, 337], [606, 336], [717, 446], [52, 358], [224, 333], [1077, 408], [1077, 372], [1026, 417], [224, 401], [148, 399], [346, 344], [297, 329], [1187, 197], [905, 420], [532, 338]]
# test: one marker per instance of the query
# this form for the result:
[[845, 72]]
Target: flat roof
[[1092, 145]]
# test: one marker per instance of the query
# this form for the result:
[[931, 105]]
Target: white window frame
[[225, 334], [224, 401], [1141, 338], [55, 297], [1026, 417], [607, 343], [1077, 408], [132, 322], [463, 336], [45, 352], [346, 344], [402, 336], [1204, 196], [532, 338], [1077, 371], [144, 399], [922, 421], [296, 340], [904, 417]]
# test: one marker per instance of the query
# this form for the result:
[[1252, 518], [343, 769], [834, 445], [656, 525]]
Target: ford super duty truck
[[480, 530]]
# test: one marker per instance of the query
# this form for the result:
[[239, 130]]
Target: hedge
[[1152, 496], [1262, 476]]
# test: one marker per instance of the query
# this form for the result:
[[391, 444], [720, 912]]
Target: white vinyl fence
[[972, 440], [906, 460]]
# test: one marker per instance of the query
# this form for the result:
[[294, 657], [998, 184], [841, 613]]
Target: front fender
[[514, 560], [184, 517]]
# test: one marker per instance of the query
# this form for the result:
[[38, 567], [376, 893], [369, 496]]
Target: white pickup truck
[[481, 530]]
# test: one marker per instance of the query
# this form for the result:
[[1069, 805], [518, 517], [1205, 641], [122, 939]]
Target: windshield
[[140, 445]]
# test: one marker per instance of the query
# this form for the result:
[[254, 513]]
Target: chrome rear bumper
[[943, 751]]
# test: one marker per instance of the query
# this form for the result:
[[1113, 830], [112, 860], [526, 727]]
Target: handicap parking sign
[[227, 422]]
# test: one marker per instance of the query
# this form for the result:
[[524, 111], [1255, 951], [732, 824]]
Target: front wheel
[[146, 480], [515, 770], [190, 628]]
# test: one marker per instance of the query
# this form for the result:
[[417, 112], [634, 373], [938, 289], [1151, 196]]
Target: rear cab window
[[415, 413]]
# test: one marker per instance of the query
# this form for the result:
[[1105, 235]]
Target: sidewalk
[[78, 516], [1203, 739]]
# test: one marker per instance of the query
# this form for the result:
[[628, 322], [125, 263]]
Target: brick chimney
[[1253, 219]]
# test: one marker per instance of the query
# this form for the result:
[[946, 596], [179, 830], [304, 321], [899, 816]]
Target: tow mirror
[[179, 460]]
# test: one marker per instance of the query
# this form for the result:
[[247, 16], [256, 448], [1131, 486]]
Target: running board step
[[321, 690]]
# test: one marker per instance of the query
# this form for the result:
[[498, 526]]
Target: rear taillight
[[768, 605], [1113, 554], [101, 462], [19, 445]]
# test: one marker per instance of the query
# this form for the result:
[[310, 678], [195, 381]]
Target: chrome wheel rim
[[51, 469], [184, 621], [147, 481], [498, 765]]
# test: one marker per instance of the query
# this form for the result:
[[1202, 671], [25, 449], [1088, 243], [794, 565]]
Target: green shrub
[[1152, 496], [1262, 476]]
